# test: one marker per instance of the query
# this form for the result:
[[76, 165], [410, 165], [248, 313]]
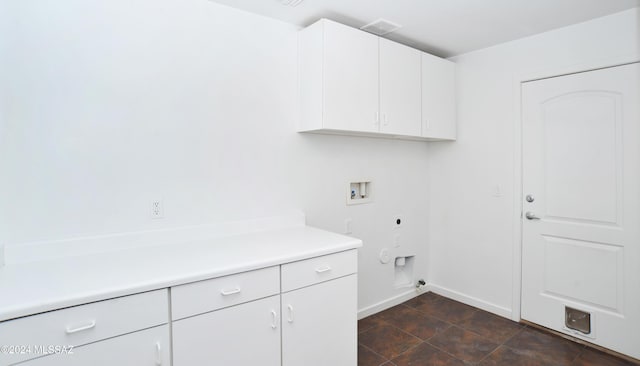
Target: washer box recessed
[[359, 191]]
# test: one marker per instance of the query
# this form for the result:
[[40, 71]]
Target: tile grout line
[[401, 330], [407, 350], [503, 344], [420, 339], [578, 355], [442, 350], [451, 324], [375, 353]]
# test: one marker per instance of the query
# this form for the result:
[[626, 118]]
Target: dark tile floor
[[433, 330]]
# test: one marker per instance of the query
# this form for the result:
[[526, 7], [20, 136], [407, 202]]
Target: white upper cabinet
[[355, 83], [438, 98], [339, 83], [400, 102]]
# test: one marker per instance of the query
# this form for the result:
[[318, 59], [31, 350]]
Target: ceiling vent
[[291, 3], [380, 26]]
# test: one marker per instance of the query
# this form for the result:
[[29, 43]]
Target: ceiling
[[444, 27]]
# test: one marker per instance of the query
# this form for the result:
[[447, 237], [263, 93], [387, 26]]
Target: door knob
[[530, 216], [530, 198]]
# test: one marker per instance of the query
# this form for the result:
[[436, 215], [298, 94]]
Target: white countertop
[[35, 287]]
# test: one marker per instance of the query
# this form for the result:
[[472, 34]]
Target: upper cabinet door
[[438, 98], [350, 79], [400, 105], [355, 83]]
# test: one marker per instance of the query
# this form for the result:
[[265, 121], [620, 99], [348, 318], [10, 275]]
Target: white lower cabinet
[[129, 330], [318, 329], [300, 313], [241, 335], [150, 347], [310, 320], [319, 324]]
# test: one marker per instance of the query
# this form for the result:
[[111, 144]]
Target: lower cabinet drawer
[[150, 347], [208, 295], [83, 324], [319, 269]]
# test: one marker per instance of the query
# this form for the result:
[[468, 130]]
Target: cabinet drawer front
[[146, 347], [84, 324], [315, 270], [204, 296]]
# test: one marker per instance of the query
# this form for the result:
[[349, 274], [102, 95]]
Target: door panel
[[240, 335], [599, 285], [581, 168], [438, 97], [400, 89], [581, 144], [350, 96], [319, 324]]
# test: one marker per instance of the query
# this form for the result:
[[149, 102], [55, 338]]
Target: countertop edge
[[100, 294]]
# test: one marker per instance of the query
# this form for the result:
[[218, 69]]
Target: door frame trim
[[518, 80]]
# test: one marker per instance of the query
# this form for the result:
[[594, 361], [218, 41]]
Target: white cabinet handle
[[428, 124], [71, 330], [377, 119], [158, 354], [274, 319], [290, 317], [384, 119], [323, 269], [230, 292]]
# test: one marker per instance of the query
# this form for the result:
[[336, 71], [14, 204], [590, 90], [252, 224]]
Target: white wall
[[472, 233], [4, 31], [108, 105], [114, 103]]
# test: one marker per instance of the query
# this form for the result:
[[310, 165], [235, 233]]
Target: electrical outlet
[[157, 209]]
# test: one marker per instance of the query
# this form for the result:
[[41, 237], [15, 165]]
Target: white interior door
[[581, 168]]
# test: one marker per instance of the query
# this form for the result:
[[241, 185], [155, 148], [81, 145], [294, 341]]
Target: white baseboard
[[388, 303], [470, 300], [454, 295]]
